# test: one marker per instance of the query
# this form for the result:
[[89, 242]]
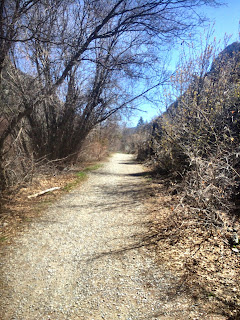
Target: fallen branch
[[43, 192]]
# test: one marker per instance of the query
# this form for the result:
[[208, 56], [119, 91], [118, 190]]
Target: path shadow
[[137, 174]]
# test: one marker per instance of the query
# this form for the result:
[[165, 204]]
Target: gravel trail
[[84, 258]]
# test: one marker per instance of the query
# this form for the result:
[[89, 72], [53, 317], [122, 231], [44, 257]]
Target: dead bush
[[198, 138]]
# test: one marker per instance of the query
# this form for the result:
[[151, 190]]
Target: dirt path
[[84, 259]]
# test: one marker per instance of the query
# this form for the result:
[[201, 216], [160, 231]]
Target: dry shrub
[[196, 142], [102, 140], [197, 139], [207, 267], [209, 189], [92, 151]]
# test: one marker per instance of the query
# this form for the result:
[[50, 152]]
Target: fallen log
[[43, 192]]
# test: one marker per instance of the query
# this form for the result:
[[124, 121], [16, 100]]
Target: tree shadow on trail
[[141, 174], [164, 283], [137, 174]]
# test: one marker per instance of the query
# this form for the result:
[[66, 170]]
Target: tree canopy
[[72, 64]]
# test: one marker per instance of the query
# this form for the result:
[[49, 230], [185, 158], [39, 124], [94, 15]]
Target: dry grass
[[199, 254]]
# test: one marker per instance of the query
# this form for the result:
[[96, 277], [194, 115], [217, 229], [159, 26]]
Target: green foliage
[[81, 176], [2, 239], [93, 167]]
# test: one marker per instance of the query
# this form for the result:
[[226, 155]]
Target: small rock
[[235, 250], [235, 238]]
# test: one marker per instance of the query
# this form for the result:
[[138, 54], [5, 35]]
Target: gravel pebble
[[84, 260]]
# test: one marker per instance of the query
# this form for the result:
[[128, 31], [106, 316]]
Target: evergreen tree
[[140, 122]]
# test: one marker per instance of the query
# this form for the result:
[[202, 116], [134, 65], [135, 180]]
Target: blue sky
[[226, 19]]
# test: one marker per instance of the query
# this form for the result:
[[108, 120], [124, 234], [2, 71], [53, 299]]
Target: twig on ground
[[43, 192]]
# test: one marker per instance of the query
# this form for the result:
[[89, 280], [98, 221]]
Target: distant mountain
[[228, 53], [231, 54]]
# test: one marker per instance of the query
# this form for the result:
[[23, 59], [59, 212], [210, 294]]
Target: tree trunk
[[3, 183]]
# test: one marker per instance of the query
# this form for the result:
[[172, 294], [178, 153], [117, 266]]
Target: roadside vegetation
[[196, 141], [70, 69], [193, 148]]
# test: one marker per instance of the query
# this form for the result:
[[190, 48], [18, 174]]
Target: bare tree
[[77, 53], [12, 25]]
